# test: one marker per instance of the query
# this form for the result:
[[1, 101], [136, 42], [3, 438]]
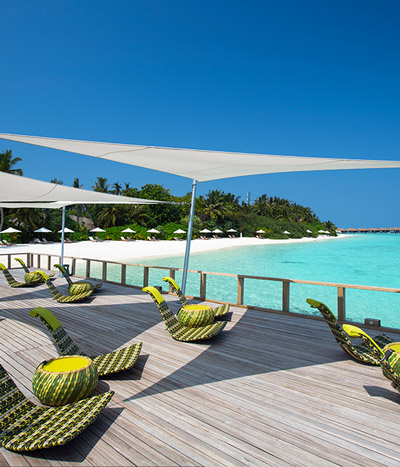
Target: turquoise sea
[[369, 259]]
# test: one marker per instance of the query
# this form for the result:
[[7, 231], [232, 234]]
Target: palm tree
[[6, 165], [117, 188], [101, 185], [108, 216], [79, 207]]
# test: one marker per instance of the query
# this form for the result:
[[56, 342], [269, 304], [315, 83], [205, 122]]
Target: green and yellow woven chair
[[219, 311], [64, 298], [33, 277], [360, 352], [12, 282], [107, 364], [388, 357], [79, 287], [25, 426], [177, 330]]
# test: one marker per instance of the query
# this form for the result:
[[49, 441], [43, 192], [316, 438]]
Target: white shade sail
[[15, 188], [197, 164]]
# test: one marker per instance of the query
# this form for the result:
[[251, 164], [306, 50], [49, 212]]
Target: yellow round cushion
[[72, 363], [196, 307], [395, 346]]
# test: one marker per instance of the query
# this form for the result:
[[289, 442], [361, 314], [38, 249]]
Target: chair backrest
[[330, 318], [64, 272], [170, 320], [66, 345], [178, 291], [53, 289], [8, 276], [23, 265]]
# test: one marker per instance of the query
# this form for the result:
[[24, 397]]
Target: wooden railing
[[36, 260]]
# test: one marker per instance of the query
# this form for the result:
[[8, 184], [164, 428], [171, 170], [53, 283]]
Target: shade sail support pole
[[62, 236], [189, 236]]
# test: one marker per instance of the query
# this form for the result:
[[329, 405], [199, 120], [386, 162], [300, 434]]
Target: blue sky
[[298, 78]]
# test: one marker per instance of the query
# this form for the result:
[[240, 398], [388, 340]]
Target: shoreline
[[143, 249]]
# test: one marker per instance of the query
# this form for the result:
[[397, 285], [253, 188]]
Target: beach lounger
[[25, 426], [12, 282], [360, 352], [64, 298], [77, 287], [123, 239], [33, 276], [218, 311], [389, 360], [177, 330], [5, 243], [113, 362], [92, 239]]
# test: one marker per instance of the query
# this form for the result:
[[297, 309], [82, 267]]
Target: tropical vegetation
[[215, 210]]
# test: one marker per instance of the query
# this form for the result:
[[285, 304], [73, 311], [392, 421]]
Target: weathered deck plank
[[271, 389]]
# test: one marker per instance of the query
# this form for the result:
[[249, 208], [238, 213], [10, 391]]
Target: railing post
[[123, 274], [9, 261], [203, 285], [73, 267], [172, 275], [341, 303], [285, 296], [38, 261], [145, 276], [240, 290], [88, 268], [104, 271], [29, 260], [48, 262]]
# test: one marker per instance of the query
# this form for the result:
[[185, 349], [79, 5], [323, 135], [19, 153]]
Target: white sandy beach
[[139, 249]]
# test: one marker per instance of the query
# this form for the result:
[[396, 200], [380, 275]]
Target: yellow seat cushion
[[66, 364]]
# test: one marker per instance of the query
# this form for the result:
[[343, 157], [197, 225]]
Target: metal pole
[[62, 236], [189, 236]]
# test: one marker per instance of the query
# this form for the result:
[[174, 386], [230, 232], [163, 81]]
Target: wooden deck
[[269, 390]]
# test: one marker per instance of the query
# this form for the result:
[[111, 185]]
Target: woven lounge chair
[[64, 298], [32, 276], [177, 330], [113, 362], [12, 282], [25, 426], [388, 359], [79, 287], [360, 352], [218, 311]]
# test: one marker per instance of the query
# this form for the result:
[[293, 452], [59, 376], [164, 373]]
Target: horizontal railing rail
[[35, 260]]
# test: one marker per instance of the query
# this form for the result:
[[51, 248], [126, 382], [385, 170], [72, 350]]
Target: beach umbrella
[[205, 231], [10, 230], [321, 231], [179, 231], [153, 231], [231, 230], [286, 232], [66, 230], [217, 231], [97, 229], [128, 230], [309, 231], [42, 230], [260, 231]]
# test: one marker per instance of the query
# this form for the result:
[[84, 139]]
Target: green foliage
[[216, 209]]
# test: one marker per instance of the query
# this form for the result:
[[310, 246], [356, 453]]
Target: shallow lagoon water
[[370, 259]]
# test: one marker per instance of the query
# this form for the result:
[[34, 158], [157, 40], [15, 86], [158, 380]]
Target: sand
[[139, 249]]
